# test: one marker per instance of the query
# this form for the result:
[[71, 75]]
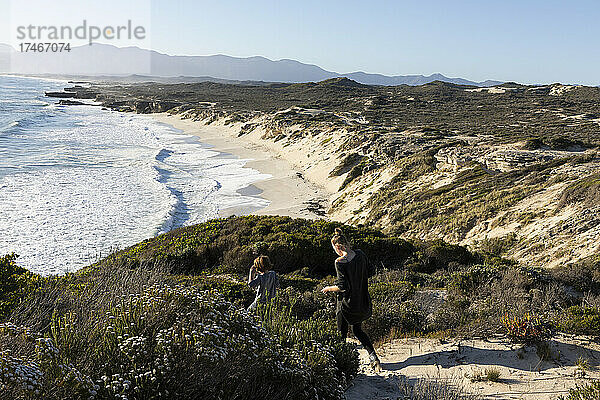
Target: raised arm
[[253, 280]]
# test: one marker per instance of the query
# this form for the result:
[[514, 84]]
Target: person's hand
[[326, 289]]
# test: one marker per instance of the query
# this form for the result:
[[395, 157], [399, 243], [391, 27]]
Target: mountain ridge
[[103, 59]]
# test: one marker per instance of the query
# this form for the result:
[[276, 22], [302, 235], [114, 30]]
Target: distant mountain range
[[111, 61]]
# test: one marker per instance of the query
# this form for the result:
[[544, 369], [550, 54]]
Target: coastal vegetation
[[478, 208], [436, 161], [14, 283], [584, 392], [439, 110], [166, 317]]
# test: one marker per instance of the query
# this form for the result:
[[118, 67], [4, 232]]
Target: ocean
[[78, 182]]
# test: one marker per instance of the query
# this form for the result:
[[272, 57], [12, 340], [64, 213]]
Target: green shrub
[[232, 290], [392, 319], [174, 342], [297, 282], [491, 374], [233, 243], [587, 392], [466, 281], [391, 291], [34, 368], [14, 283], [583, 364], [308, 304], [435, 389], [437, 254], [583, 276], [580, 321], [498, 245], [525, 329], [451, 314], [312, 333]]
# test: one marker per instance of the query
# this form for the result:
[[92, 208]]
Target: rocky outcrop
[[125, 105], [76, 92], [71, 103], [510, 159], [61, 95]]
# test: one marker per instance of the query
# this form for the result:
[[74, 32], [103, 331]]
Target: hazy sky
[[527, 41]]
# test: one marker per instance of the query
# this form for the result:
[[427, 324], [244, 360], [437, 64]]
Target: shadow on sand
[[563, 354]]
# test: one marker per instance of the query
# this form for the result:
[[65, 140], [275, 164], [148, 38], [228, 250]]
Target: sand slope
[[522, 375]]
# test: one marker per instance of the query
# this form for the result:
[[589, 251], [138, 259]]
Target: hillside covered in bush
[[438, 161], [166, 318]]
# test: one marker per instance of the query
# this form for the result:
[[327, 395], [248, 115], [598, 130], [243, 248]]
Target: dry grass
[[436, 389]]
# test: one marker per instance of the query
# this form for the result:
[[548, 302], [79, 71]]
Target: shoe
[[374, 362]]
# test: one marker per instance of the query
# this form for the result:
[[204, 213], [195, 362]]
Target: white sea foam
[[78, 182], [8, 126]]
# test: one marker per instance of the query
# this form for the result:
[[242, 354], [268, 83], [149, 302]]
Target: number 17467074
[[47, 47]]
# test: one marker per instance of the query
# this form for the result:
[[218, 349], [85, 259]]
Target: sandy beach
[[288, 192]]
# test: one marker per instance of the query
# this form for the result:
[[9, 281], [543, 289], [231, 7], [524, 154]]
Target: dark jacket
[[354, 301]]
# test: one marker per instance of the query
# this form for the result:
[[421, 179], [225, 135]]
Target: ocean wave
[[90, 181], [178, 212], [28, 120], [9, 126]]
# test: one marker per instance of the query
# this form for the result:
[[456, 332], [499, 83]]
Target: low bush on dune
[[165, 318], [585, 392], [583, 276], [580, 320], [481, 296], [435, 389], [232, 243], [309, 303], [525, 303], [391, 291], [14, 283], [435, 255], [394, 320], [525, 329], [171, 341], [312, 334], [33, 367], [233, 290], [469, 279], [394, 314]]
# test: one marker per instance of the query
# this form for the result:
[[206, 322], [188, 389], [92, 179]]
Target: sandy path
[[522, 375], [288, 192]]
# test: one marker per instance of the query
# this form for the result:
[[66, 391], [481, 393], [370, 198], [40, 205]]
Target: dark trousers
[[357, 331]]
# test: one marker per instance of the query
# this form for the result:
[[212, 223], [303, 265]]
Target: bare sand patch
[[456, 362]]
